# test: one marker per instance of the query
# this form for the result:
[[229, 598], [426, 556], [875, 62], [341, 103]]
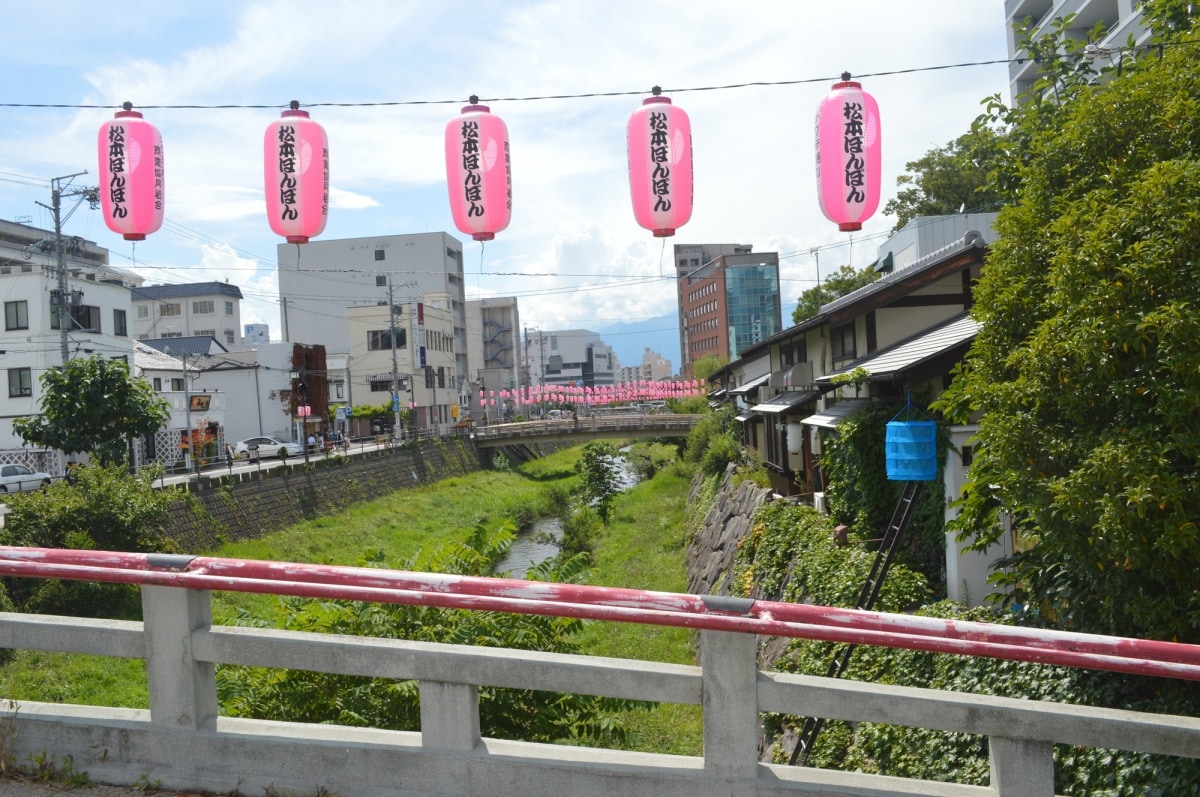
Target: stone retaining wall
[[248, 505], [711, 553]]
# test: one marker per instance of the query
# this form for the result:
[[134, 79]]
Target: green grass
[[643, 548]]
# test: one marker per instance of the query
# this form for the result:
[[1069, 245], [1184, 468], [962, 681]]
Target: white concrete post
[[1021, 767], [449, 715], [730, 703], [183, 691]]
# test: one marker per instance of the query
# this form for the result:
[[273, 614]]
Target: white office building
[[320, 280]]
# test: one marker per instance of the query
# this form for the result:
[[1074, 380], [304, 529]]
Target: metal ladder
[[867, 597]]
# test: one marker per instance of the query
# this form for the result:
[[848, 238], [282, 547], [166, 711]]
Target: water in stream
[[528, 549]]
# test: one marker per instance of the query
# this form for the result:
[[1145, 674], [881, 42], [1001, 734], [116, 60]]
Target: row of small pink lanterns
[[642, 390], [479, 168]]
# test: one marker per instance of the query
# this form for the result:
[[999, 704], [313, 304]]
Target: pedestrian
[[312, 442]]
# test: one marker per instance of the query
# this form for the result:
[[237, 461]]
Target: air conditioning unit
[[820, 504]]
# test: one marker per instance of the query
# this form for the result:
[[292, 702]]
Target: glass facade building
[[752, 304]]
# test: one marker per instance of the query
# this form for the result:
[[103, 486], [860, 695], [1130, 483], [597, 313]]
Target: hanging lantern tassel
[[848, 155], [131, 174], [296, 175], [659, 138], [479, 172]]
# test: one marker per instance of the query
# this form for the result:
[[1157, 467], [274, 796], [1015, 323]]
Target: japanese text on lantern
[[852, 113], [659, 155], [116, 166], [158, 177], [287, 171], [472, 182]]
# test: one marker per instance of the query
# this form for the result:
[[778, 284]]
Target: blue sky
[[573, 254]]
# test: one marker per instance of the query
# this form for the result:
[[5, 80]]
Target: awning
[[832, 416], [717, 395], [751, 386], [747, 416], [896, 361], [786, 402]]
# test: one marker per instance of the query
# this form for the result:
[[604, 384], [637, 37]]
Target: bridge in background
[[595, 427], [183, 743]]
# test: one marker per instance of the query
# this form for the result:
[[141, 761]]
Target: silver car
[[19, 479], [264, 447]]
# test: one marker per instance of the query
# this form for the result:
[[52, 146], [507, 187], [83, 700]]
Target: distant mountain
[[630, 340]]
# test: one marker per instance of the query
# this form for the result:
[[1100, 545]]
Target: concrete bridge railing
[[183, 743], [590, 427]]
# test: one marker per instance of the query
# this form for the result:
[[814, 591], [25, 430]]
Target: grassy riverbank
[[641, 548]]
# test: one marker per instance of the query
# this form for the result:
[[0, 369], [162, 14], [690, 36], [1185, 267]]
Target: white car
[[19, 479], [265, 447]]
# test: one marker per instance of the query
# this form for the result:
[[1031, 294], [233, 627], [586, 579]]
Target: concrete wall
[[257, 503]]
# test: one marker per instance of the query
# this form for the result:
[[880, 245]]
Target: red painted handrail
[[1135, 656]]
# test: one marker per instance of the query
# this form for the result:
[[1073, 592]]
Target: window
[[228, 308], [339, 390], [16, 315], [843, 341], [381, 281], [170, 309], [84, 318], [158, 384], [205, 307], [229, 337], [20, 382], [172, 334], [380, 386], [380, 340], [206, 333], [119, 326], [177, 384], [143, 311], [380, 254]]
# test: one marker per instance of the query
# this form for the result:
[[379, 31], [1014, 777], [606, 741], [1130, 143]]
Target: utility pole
[[395, 367], [62, 301]]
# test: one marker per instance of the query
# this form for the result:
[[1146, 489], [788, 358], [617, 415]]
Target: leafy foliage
[[861, 496], [93, 405], [1086, 370], [106, 509], [600, 480], [962, 758], [949, 179], [706, 366], [300, 696], [841, 282], [713, 444]]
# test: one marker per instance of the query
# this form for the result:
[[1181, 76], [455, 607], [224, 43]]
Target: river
[[530, 548]]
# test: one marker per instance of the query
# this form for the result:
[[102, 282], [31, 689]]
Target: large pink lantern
[[659, 138], [479, 172], [296, 175], [848, 155], [131, 174]]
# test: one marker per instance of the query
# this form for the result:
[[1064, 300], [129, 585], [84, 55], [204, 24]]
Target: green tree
[[949, 179], [93, 405], [1086, 371], [107, 508], [706, 366], [839, 283], [600, 482]]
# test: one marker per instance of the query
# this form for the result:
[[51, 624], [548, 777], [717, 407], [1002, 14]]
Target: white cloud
[[571, 215]]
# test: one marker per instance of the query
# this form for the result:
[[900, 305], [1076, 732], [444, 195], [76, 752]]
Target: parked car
[[19, 479], [265, 447]]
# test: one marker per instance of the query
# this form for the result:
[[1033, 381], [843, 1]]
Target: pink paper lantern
[[296, 175], [131, 174], [659, 137], [479, 172], [848, 155]]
